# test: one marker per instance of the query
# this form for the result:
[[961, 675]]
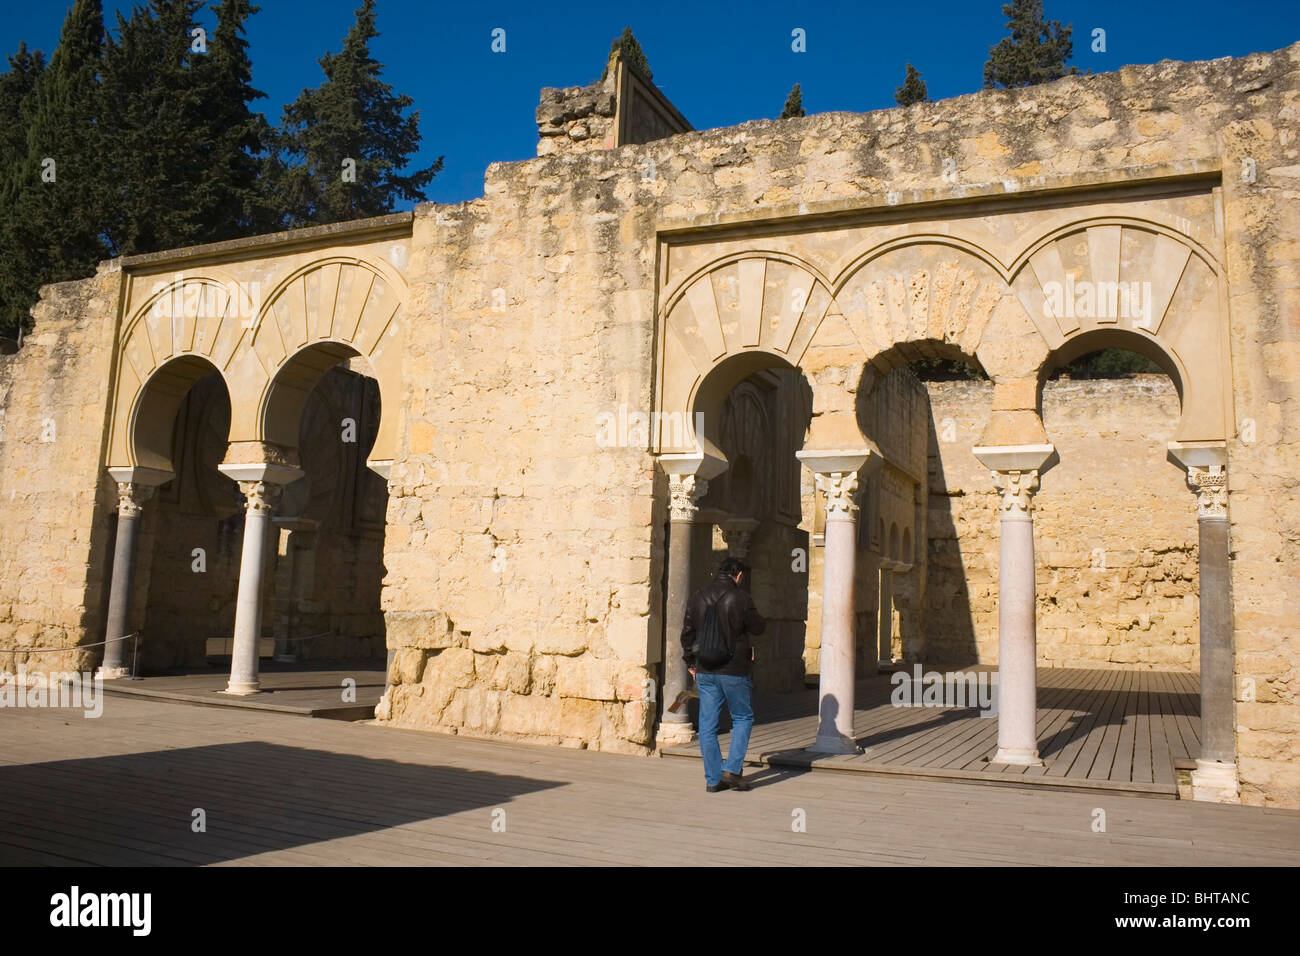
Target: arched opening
[[1122, 523], [755, 410], [1111, 354], [926, 414], [151, 430], [192, 529], [327, 569]]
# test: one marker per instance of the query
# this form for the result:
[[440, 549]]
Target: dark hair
[[733, 566]]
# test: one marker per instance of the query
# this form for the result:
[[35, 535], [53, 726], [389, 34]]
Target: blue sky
[[720, 63]]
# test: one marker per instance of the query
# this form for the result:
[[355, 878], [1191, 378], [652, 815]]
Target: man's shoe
[[719, 786], [735, 781]]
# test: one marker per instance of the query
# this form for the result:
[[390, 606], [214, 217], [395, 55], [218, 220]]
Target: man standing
[[730, 681]]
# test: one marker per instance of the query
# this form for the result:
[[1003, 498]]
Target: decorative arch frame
[[705, 351], [697, 338], [324, 311]]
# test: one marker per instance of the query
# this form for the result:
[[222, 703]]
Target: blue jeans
[[714, 688]]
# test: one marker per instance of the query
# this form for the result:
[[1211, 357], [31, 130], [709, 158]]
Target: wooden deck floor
[[282, 790], [287, 689], [1123, 730]]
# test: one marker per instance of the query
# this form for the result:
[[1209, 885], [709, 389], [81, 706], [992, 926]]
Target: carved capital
[[685, 493], [839, 488], [737, 533], [262, 496], [131, 498], [1210, 485], [1017, 489]]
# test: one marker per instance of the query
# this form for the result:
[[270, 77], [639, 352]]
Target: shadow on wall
[[948, 620]]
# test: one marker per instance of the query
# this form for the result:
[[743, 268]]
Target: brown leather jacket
[[739, 619]]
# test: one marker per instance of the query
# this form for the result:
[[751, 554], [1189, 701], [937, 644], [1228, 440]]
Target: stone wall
[[1114, 531], [55, 501], [545, 552], [525, 559]]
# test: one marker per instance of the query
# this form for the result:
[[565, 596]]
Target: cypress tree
[[629, 50], [230, 196], [793, 103], [157, 138], [16, 87], [16, 84], [913, 89], [57, 193], [1035, 52], [340, 147]]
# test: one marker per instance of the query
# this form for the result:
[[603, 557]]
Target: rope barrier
[[60, 650], [125, 637]]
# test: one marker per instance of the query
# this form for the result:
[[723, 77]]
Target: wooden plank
[[1057, 735]]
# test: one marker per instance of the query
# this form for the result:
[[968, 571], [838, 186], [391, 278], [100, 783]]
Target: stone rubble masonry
[[524, 561], [1115, 546], [56, 501], [576, 118]]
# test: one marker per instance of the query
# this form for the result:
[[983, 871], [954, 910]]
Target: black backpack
[[712, 651]]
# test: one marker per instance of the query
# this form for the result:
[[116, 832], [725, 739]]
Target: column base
[[1017, 757], [243, 690], [674, 734], [384, 709], [111, 673], [1215, 781], [834, 743]]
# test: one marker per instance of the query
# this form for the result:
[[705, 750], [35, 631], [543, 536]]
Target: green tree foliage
[[913, 89], [793, 103], [232, 201], [353, 116], [630, 52], [156, 133], [16, 84], [155, 145], [16, 88], [52, 231], [935, 369], [1108, 363], [1035, 52]]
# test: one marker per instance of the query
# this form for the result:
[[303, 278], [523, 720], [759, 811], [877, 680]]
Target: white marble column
[[134, 487], [885, 620], [836, 475], [1015, 473], [130, 505], [261, 485], [688, 482], [1215, 777]]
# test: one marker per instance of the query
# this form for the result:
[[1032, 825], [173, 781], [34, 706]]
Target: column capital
[[839, 487], [1206, 464], [836, 472], [131, 498], [737, 532], [1016, 470], [684, 494], [262, 496], [1017, 489], [1210, 485]]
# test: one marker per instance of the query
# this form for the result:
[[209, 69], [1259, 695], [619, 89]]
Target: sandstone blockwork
[[514, 366]]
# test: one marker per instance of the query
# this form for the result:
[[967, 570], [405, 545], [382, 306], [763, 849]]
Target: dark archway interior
[[325, 560]]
